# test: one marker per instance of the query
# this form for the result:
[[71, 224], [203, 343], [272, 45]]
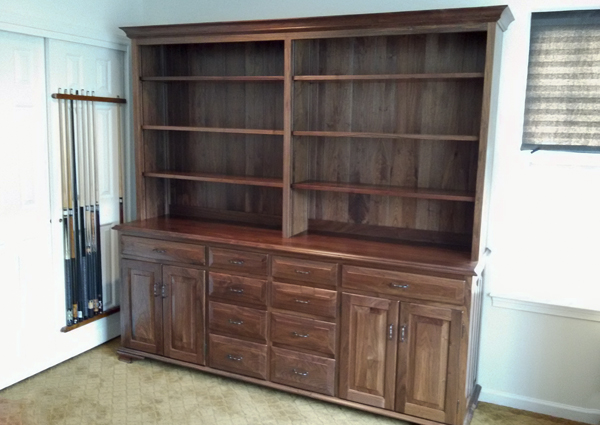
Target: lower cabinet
[[400, 356], [163, 310], [380, 351]]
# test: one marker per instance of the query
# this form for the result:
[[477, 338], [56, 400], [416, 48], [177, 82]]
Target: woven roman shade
[[562, 108]]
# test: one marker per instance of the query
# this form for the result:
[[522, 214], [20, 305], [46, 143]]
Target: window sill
[[523, 304]]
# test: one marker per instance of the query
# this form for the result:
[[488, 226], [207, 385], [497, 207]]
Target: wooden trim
[[486, 142], [135, 354], [214, 129], [217, 178], [459, 138], [288, 204], [102, 315], [473, 401], [367, 189], [136, 86], [447, 76], [88, 98], [414, 20]]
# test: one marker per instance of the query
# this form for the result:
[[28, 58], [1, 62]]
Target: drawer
[[237, 288], [312, 373], [156, 249], [237, 321], [305, 270], [233, 355], [304, 299], [308, 334], [408, 285], [238, 261]]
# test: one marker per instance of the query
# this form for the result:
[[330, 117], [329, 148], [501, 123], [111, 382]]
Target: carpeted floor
[[96, 389]]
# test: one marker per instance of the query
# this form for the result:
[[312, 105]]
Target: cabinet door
[[428, 362], [141, 306], [368, 350], [183, 309]]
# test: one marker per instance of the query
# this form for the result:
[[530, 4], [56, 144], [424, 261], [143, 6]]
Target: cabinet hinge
[[464, 329], [457, 405]]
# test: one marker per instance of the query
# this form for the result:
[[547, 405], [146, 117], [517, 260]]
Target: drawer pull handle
[[403, 333], [297, 335], [399, 285], [156, 289], [159, 251], [236, 322], [236, 290], [237, 262], [234, 358], [163, 291], [297, 372], [301, 301], [302, 271]]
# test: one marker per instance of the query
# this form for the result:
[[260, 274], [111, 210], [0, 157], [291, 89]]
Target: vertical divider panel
[[295, 204], [140, 185]]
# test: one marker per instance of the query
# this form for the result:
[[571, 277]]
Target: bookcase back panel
[[213, 59], [402, 54], [253, 105], [407, 213], [427, 164], [438, 107], [190, 197], [231, 154]]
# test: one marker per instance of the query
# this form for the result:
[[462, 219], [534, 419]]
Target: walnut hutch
[[311, 201]]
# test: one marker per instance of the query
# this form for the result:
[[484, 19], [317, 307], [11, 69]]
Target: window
[[562, 108]]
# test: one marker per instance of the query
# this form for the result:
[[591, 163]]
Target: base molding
[[126, 354], [560, 410]]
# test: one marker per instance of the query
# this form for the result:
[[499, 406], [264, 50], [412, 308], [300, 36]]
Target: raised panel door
[[183, 313], [368, 350], [141, 307], [428, 362]]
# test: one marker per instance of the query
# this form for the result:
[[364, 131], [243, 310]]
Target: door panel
[[183, 308], [368, 350], [428, 362], [141, 306]]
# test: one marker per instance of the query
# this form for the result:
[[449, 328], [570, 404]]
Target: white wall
[[544, 223], [97, 20]]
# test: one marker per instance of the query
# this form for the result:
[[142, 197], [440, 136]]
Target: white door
[[25, 231]]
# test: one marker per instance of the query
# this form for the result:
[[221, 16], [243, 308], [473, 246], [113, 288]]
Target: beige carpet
[[95, 389]]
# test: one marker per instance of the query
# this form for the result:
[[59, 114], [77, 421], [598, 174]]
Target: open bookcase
[[376, 136]]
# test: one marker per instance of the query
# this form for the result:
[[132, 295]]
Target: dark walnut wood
[[312, 198], [301, 370], [161, 250], [234, 355], [302, 333], [236, 321], [237, 289], [304, 299], [305, 271], [183, 313]]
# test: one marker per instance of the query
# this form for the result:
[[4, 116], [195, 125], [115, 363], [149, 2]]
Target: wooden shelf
[[460, 138], [217, 178], [406, 192], [214, 129], [239, 78], [384, 77]]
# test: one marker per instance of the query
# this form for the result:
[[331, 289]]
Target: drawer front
[[308, 334], [304, 299], [237, 321], [237, 288], [408, 285], [238, 261], [312, 373], [243, 357], [305, 270], [155, 249]]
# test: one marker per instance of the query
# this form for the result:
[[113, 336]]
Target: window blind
[[562, 107]]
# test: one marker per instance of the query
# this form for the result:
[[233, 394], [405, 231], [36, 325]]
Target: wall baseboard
[[565, 411]]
